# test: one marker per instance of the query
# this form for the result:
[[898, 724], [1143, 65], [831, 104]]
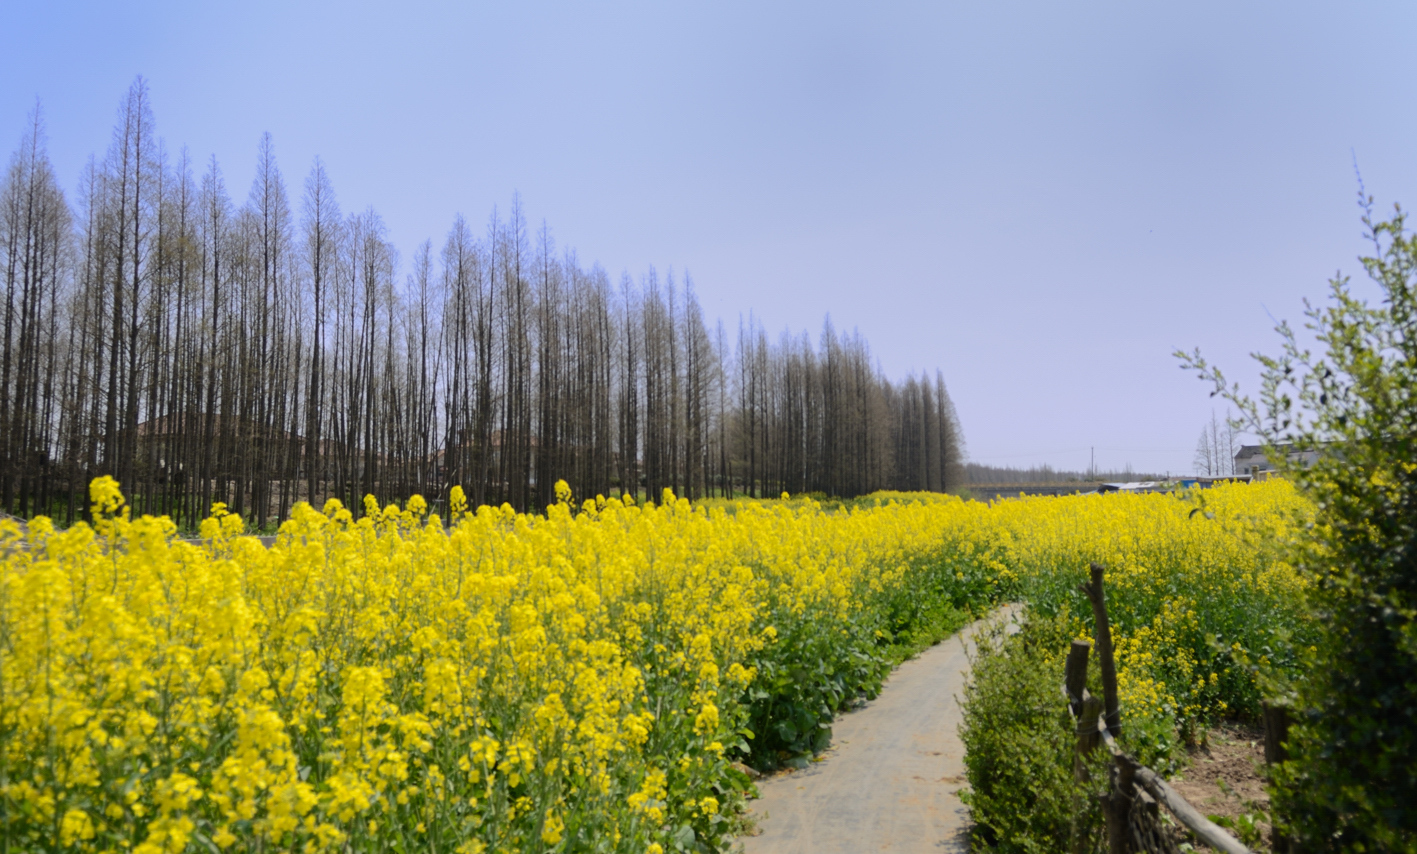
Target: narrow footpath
[[891, 779]]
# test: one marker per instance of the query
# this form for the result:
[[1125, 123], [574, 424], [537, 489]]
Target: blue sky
[[1043, 200]]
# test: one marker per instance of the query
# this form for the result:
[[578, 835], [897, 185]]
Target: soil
[[1225, 781]]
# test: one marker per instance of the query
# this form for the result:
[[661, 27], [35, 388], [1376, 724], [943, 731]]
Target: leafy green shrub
[[940, 597], [1351, 780], [1019, 745], [804, 679], [807, 675]]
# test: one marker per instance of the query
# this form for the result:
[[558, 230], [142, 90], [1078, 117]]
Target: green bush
[[1351, 780], [808, 676], [1019, 745]]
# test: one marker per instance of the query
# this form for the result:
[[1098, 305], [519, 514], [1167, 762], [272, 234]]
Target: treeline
[[259, 354], [978, 473]]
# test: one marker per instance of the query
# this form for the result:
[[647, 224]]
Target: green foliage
[[1351, 781], [803, 680], [1199, 589], [1196, 586], [1020, 743], [1245, 826], [809, 675], [942, 594]]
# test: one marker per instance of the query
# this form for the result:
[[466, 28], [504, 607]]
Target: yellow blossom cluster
[[1198, 587], [496, 681]]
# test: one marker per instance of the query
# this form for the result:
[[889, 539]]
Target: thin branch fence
[[1131, 806]]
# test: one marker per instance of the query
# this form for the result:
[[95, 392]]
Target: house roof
[[1133, 486]]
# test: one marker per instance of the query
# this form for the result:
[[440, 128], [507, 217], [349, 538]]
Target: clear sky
[[1042, 199]]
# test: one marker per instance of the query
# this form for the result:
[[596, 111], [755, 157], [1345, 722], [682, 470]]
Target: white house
[[1251, 459]]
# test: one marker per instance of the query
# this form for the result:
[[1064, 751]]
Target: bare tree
[[204, 352], [1216, 448], [35, 247]]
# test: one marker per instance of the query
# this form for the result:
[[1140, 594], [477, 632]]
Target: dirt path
[[890, 780]]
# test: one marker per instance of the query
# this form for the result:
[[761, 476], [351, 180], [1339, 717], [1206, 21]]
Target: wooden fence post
[[1115, 807], [1276, 734], [1086, 710], [1075, 674], [1276, 731], [1105, 661], [1119, 806], [1136, 791], [1088, 736], [1089, 739], [1117, 803]]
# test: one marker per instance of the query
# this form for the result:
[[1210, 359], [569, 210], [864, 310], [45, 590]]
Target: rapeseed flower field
[[582, 680], [1200, 594]]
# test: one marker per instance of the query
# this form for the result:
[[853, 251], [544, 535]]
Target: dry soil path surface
[[890, 782]]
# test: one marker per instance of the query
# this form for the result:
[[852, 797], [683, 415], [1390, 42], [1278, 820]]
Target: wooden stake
[[1088, 736], [1075, 674], [1095, 593], [1276, 734]]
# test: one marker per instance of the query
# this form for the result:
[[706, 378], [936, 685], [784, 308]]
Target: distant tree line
[[979, 473], [259, 354]]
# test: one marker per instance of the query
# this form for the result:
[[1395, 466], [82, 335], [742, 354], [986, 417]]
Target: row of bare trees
[[262, 353], [1216, 449]]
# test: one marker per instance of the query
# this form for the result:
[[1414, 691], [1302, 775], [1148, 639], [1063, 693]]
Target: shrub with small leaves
[[1351, 780]]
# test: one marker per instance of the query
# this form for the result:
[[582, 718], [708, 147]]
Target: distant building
[[1251, 459], [1208, 482], [1132, 486]]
